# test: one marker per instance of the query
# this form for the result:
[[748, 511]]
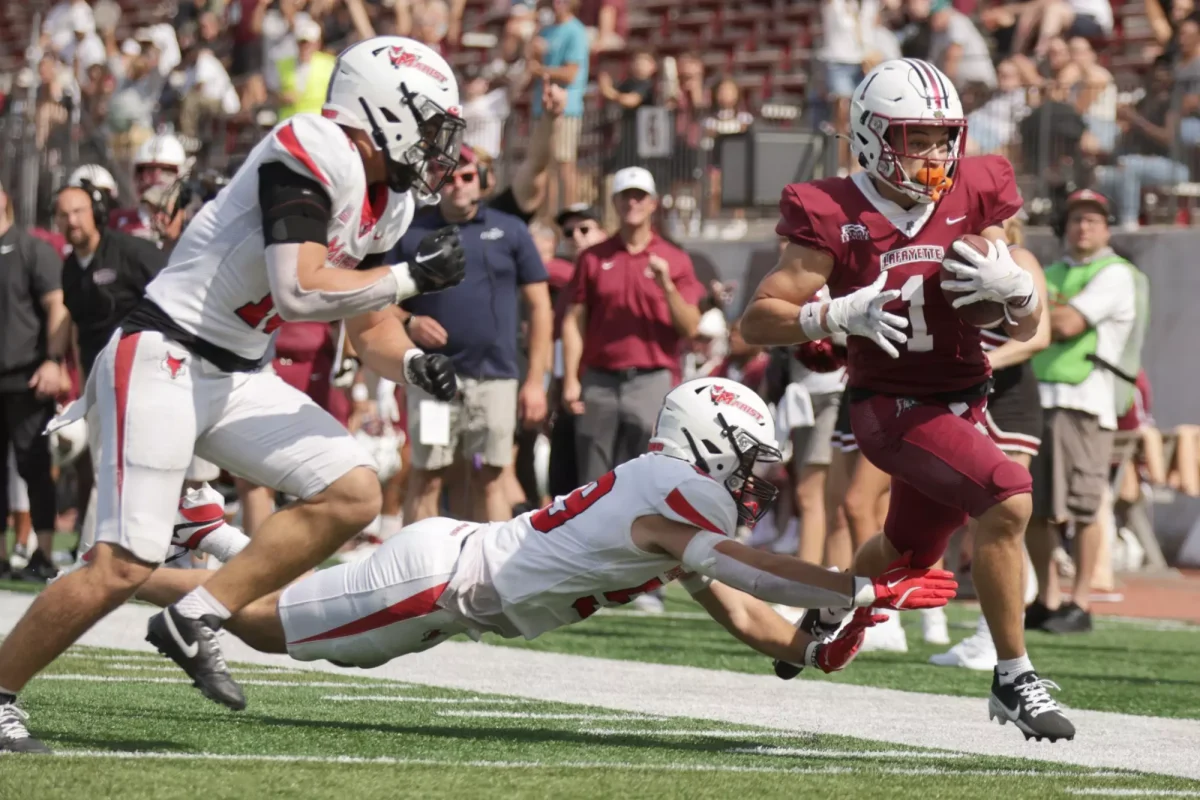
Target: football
[[984, 314]]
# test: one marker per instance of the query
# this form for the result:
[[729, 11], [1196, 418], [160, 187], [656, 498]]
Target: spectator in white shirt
[[485, 110], [955, 45], [1091, 19], [993, 125], [206, 90]]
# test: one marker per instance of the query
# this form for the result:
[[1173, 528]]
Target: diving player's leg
[[257, 624], [367, 613]]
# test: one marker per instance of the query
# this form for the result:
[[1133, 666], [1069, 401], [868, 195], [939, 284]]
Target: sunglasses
[[464, 177], [584, 229]]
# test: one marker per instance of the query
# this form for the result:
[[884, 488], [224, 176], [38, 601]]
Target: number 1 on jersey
[[920, 340]]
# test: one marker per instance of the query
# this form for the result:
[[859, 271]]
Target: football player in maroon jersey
[[918, 377]]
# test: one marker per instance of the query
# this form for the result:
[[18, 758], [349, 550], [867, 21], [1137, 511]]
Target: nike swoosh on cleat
[[189, 650]]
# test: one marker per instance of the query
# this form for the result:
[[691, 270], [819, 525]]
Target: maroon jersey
[[133, 222], [866, 234]]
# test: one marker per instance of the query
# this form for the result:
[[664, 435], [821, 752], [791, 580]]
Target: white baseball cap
[[307, 30], [634, 178]]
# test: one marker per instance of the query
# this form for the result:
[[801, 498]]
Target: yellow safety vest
[[310, 100]]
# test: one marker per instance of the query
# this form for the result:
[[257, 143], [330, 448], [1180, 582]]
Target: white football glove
[[994, 277], [861, 314]]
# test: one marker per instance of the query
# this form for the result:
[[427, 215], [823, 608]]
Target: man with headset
[[476, 325]]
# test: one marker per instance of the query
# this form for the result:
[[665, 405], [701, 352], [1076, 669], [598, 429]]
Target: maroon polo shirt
[[628, 320]]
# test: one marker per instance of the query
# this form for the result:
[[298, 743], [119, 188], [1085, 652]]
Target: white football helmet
[[96, 175], [159, 161], [725, 429], [893, 96], [404, 94]]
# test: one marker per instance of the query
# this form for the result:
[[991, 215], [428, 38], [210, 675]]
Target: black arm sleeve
[[295, 208], [372, 260]]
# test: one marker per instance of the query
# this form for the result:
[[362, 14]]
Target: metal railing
[[708, 167]]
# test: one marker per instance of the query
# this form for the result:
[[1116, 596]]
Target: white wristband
[[810, 654], [406, 287], [1028, 305], [408, 357], [810, 321], [864, 592]]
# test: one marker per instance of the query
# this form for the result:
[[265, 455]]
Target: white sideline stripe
[[630, 612], [125, 657], [1112, 792], [402, 698], [811, 753], [148, 668], [649, 767], [719, 734], [251, 682], [1163, 745], [539, 715]]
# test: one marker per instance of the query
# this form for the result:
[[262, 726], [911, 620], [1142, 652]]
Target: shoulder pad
[[700, 501], [313, 146]]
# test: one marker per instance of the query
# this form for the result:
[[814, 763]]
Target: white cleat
[[977, 652], [933, 626], [887, 637]]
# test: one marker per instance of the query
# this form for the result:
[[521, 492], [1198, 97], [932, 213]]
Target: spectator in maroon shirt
[[635, 298]]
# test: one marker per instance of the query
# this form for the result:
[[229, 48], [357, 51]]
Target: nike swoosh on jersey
[[955, 220]]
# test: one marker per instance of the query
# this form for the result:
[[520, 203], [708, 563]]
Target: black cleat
[[1069, 618], [193, 645], [14, 737], [1026, 702], [40, 569], [1036, 615], [817, 624]]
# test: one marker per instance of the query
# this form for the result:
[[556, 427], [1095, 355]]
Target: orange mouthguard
[[936, 179]]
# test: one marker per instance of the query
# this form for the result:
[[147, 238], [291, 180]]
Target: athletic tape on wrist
[[810, 321]]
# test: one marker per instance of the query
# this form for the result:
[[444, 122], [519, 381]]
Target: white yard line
[[1105, 740], [541, 715], [83, 678], [800, 752], [625, 765], [401, 698], [1101, 791], [175, 670], [726, 733]]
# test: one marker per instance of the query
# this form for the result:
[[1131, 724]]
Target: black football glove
[[434, 373], [440, 261]]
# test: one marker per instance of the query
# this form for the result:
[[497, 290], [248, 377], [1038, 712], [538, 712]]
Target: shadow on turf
[[538, 735]]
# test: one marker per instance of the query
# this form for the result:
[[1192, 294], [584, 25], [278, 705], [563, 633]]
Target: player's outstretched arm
[[382, 344], [783, 579], [773, 316], [754, 622]]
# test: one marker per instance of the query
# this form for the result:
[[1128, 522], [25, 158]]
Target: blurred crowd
[[1052, 84]]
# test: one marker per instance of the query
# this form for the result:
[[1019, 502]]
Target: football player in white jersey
[[668, 514], [296, 235]]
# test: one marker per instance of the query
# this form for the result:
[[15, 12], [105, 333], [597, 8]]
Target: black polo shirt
[[100, 294], [29, 270]]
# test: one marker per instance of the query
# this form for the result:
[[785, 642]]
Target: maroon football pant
[[944, 467]]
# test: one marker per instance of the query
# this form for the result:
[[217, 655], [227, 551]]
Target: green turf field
[[316, 735]]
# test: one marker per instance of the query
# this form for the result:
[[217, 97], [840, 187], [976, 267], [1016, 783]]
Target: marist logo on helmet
[[403, 58], [722, 396]]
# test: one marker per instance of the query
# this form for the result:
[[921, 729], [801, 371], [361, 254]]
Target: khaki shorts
[[1070, 472], [813, 446], [482, 422], [566, 139]]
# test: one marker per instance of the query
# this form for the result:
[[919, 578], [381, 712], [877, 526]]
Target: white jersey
[[558, 565], [215, 284]]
